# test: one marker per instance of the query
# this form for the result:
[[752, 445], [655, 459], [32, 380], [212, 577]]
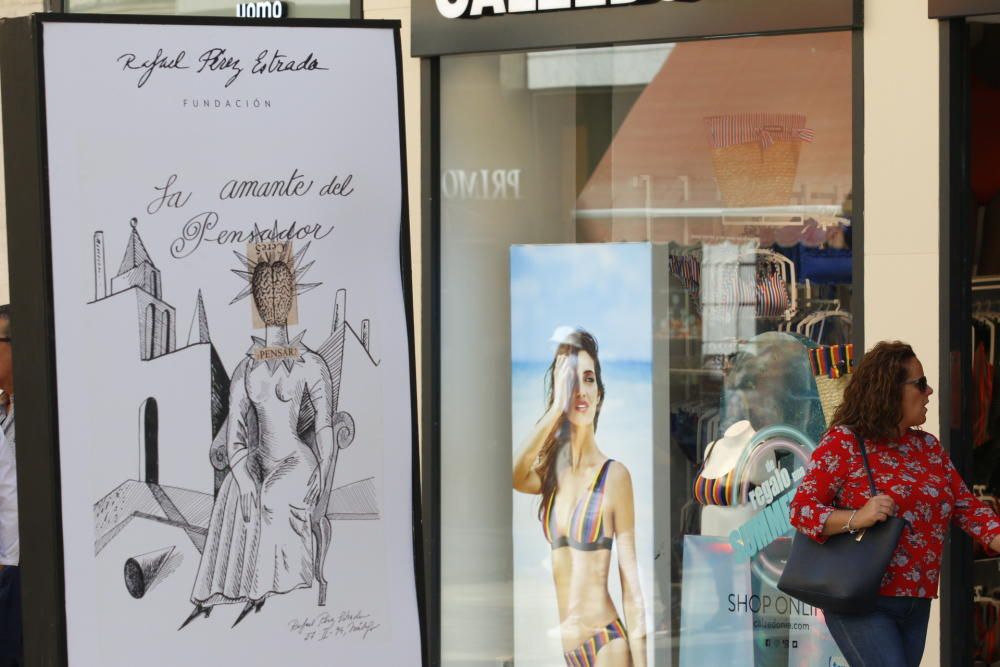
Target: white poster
[[231, 344]]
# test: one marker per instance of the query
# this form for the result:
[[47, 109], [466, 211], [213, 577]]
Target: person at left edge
[[11, 648]]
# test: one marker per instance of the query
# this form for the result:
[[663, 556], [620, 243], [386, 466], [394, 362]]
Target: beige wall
[[400, 10], [19, 7], [9, 8], [901, 192]]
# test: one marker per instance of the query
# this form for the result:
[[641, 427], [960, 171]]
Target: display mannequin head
[[721, 456]]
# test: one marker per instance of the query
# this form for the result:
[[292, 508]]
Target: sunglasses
[[920, 383]]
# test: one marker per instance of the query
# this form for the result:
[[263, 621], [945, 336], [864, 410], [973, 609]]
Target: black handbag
[[843, 574]]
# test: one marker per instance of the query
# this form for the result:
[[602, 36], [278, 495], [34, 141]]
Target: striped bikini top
[[715, 490], [586, 526]]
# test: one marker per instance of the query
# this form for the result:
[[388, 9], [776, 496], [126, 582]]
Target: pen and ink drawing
[[145, 571], [259, 510]]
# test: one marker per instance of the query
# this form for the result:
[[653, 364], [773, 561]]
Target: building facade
[[594, 127]]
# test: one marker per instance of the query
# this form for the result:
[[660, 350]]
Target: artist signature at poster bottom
[[326, 626]]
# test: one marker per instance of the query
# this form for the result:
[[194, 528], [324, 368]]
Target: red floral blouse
[[916, 472]]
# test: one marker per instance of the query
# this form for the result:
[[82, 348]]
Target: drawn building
[[172, 457], [167, 429]]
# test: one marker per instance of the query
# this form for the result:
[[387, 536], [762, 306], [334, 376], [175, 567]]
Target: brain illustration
[[273, 288]]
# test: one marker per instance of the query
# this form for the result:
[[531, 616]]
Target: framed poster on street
[[210, 277]]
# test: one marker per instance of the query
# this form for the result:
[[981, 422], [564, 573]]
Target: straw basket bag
[[756, 155], [832, 367], [831, 394]]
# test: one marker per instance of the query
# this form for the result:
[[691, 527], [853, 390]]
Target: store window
[[979, 431], [646, 301]]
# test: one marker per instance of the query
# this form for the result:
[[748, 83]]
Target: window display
[[668, 292]]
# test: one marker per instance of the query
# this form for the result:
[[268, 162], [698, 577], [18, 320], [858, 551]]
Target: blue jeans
[[10, 617], [890, 636]]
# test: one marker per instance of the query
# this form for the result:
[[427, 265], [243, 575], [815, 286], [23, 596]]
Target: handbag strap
[[868, 469]]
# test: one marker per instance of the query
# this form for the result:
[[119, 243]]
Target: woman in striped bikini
[[586, 504]]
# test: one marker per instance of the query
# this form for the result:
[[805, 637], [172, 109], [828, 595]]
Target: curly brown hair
[[872, 406]]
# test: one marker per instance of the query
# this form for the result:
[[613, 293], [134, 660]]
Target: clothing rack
[[985, 283], [728, 301], [986, 626], [710, 238], [788, 275]]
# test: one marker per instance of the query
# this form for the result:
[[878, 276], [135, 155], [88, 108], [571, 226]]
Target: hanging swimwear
[[687, 269], [586, 524]]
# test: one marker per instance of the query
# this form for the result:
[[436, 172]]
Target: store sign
[[481, 184], [529, 25], [239, 491], [454, 9], [773, 517], [262, 10]]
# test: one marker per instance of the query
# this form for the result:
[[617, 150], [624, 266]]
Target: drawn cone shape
[[141, 571]]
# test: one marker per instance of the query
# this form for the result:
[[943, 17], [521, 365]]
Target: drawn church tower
[[157, 319], [179, 393]]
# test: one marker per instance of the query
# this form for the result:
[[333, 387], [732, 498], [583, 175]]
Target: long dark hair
[[873, 399], [570, 346]]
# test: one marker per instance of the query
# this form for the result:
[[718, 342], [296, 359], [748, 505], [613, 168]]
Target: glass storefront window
[[654, 239]]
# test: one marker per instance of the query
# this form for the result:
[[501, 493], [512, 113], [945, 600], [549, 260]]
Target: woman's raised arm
[[525, 475]]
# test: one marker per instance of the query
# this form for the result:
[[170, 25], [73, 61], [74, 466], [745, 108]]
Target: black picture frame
[[29, 249]]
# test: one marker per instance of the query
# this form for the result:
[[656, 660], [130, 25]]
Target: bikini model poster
[[582, 399], [231, 342]]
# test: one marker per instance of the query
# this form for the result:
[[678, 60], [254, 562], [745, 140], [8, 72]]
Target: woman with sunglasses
[[885, 403]]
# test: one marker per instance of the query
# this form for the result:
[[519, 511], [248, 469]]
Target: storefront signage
[[779, 482], [481, 184], [262, 10], [772, 521], [248, 459], [454, 9], [522, 25]]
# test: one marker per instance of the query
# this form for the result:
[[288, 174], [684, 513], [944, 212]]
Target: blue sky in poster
[[604, 288]]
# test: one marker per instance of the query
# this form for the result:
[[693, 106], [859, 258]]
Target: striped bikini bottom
[[585, 655]]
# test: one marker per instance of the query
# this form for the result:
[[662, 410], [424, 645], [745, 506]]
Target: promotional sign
[[729, 598], [231, 343], [583, 554]]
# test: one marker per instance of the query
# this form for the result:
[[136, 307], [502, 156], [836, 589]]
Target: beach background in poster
[[605, 289], [119, 140]]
